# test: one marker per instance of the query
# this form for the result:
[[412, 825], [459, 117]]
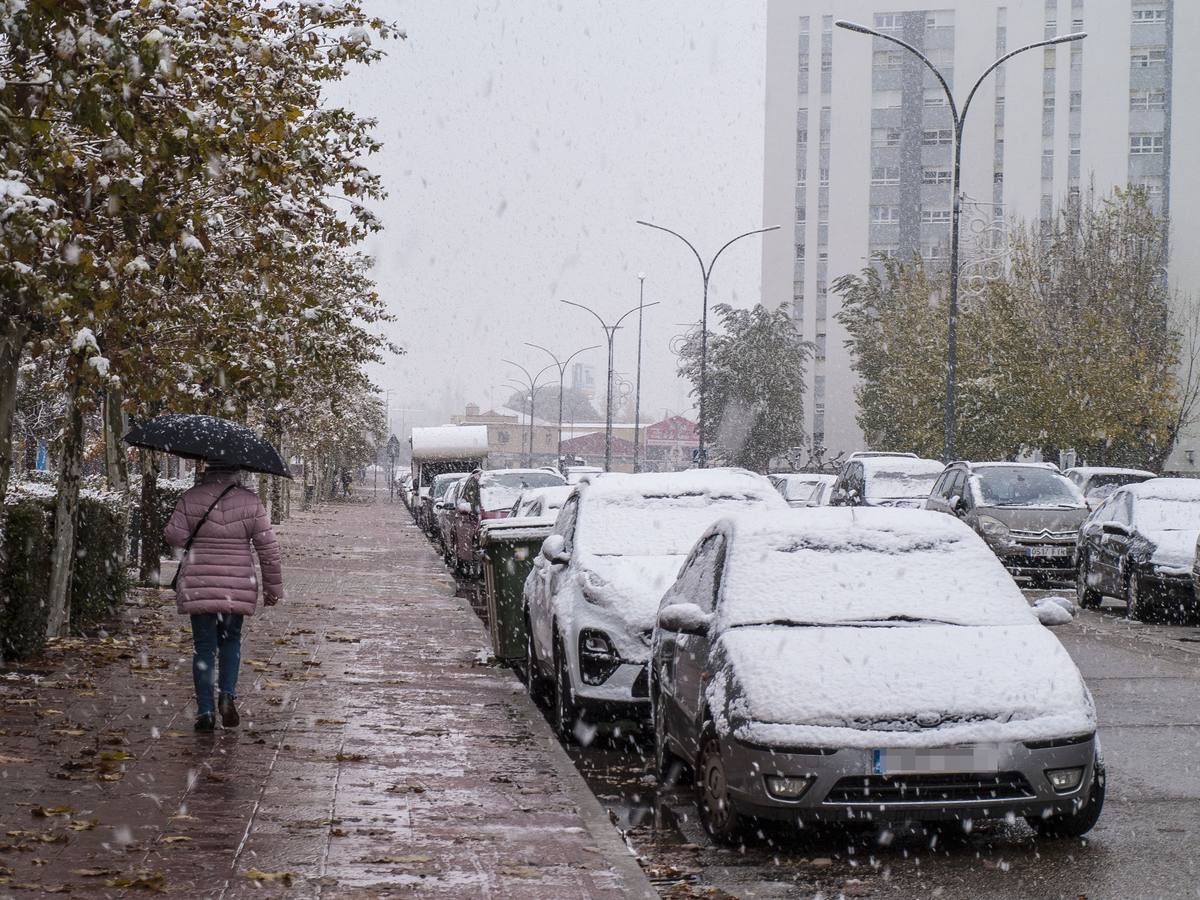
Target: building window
[[801, 214], [885, 137], [824, 137], [937, 136], [885, 175], [1147, 99], [827, 62], [1144, 59], [887, 59], [889, 21], [801, 135], [1152, 186], [939, 19], [934, 251], [820, 346], [503, 437], [804, 24], [885, 215], [1149, 15], [935, 97], [1141, 144], [886, 99], [1076, 100], [935, 216], [1048, 102], [824, 175], [936, 176]]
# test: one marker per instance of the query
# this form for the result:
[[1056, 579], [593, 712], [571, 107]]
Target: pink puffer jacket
[[218, 574]]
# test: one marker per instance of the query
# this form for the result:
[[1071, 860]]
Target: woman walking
[[215, 524]]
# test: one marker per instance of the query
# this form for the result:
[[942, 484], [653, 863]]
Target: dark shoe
[[205, 723], [229, 713]]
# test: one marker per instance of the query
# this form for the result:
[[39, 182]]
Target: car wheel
[[1088, 597], [1137, 602], [566, 712], [669, 768], [1080, 822], [534, 679], [718, 814]]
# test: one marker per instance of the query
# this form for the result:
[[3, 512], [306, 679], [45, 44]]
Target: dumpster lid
[[524, 529]]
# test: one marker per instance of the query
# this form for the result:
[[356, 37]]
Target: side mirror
[[1052, 611], [464, 507], [684, 618], [554, 550], [957, 506], [1115, 528]]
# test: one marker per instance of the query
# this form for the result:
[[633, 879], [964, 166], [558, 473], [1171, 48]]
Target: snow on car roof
[[623, 488], [838, 565], [1000, 463], [1087, 471], [901, 465], [1166, 489], [556, 494]]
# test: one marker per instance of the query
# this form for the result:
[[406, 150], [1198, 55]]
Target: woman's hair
[[217, 465]]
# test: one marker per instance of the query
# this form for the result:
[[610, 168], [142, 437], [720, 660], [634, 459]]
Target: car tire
[[1088, 597], [718, 814], [1080, 822], [565, 711], [535, 681], [669, 768], [1138, 605]]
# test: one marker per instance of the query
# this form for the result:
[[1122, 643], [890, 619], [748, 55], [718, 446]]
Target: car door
[[692, 650], [939, 497], [1087, 545], [1115, 546], [544, 580]]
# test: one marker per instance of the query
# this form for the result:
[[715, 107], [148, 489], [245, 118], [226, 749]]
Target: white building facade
[[859, 144]]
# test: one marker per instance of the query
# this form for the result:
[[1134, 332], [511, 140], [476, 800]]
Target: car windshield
[[1025, 486], [1158, 514], [656, 525], [896, 485], [851, 575], [1100, 486], [442, 483]]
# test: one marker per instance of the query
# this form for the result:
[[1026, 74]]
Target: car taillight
[[494, 514]]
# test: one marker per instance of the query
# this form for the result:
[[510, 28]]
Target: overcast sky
[[521, 141]]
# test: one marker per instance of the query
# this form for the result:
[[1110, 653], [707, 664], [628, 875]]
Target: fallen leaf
[[350, 757], [111, 756], [42, 812], [174, 839], [11, 760], [331, 721], [146, 881], [83, 824], [71, 732], [284, 878]]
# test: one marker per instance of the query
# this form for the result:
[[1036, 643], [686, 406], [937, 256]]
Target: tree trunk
[[12, 339], [116, 466], [277, 483], [151, 526], [66, 515]]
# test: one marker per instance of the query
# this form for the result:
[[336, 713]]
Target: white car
[[1097, 483], [591, 596], [868, 664], [804, 488], [540, 502]]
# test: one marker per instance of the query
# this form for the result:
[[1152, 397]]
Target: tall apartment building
[[859, 144]]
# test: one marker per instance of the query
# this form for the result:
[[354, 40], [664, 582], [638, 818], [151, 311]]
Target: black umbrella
[[209, 438]]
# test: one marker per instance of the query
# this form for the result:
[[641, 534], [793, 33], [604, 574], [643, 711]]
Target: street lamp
[[705, 274], [637, 391], [958, 116], [562, 371], [533, 385], [609, 332]]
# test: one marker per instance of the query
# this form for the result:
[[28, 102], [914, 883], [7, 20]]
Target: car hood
[[1037, 518], [1173, 551], [908, 685], [629, 587]]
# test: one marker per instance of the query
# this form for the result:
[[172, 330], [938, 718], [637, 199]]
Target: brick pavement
[[380, 754]]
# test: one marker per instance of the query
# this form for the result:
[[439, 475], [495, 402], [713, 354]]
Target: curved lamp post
[[533, 385], [562, 371], [705, 274], [609, 332], [958, 116]]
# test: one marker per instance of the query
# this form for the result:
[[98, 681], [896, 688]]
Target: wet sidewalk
[[380, 753]]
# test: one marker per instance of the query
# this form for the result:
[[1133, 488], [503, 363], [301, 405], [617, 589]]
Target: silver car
[[877, 664], [1029, 513]]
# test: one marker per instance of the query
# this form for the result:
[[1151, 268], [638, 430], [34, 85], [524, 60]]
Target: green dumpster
[[509, 547]]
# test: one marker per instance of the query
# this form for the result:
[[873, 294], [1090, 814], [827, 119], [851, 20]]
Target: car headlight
[[595, 588], [598, 658], [788, 787], [1064, 780], [993, 528]]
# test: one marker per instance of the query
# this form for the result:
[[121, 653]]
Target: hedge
[[98, 585]]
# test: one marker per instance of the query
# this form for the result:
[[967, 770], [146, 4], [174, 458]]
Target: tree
[[754, 404]]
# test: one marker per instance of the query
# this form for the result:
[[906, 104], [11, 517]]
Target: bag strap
[[195, 531]]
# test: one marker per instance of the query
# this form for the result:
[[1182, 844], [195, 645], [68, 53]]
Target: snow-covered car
[[592, 594], [444, 510], [490, 495], [1096, 483], [1029, 513], [867, 664], [885, 480], [576, 474], [428, 498], [540, 502], [1140, 546], [804, 488]]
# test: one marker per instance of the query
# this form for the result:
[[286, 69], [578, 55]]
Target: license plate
[[977, 758], [1048, 551]]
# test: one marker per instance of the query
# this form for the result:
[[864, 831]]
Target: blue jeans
[[215, 635]]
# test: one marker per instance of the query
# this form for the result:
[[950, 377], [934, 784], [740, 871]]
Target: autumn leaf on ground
[[174, 839], [94, 873], [145, 881], [42, 812], [11, 760], [284, 878], [350, 757], [83, 824], [331, 721]]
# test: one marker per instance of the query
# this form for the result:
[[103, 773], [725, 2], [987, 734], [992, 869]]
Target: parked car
[[426, 517], [576, 474], [490, 495], [803, 488], [444, 511], [885, 481], [591, 597], [876, 454], [874, 664], [540, 502], [1096, 483], [1029, 513], [1139, 546]]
